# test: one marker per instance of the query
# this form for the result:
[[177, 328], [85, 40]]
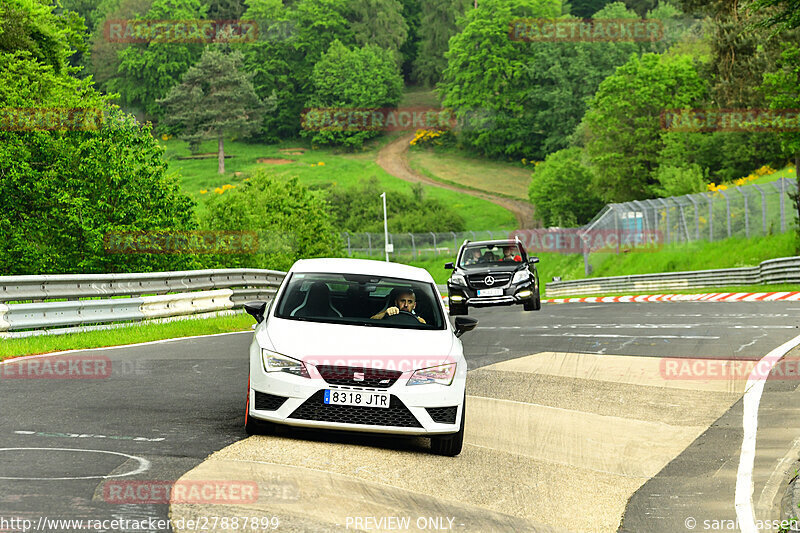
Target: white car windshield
[[361, 300]]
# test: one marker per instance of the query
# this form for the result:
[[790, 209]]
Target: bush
[[351, 80], [359, 209], [677, 181], [291, 223], [561, 190], [62, 192]]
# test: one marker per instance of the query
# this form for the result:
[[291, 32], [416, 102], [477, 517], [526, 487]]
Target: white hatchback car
[[358, 345]]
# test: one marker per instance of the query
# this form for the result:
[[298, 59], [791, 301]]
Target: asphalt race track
[[580, 417]]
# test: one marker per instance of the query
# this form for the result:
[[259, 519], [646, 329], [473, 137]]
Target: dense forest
[[589, 113]]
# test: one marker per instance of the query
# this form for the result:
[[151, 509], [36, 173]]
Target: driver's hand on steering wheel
[[392, 311]]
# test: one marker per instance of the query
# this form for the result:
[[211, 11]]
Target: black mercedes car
[[489, 273]]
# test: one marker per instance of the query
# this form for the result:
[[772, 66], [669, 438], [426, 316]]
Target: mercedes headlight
[[442, 374], [458, 279], [275, 362], [520, 276]]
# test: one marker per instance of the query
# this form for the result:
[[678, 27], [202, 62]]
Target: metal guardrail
[[32, 305], [54, 301], [773, 271]]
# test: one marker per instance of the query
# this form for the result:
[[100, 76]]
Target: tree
[[283, 61], [561, 190], [215, 98], [33, 26], [438, 23], [545, 85], [562, 77], [783, 14], [486, 73], [379, 23], [225, 9], [586, 8], [621, 130], [358, 209], [291, 222], [782, 90], [62, 192], [352, 80], [147, 71], [103, 62], [412, 12]]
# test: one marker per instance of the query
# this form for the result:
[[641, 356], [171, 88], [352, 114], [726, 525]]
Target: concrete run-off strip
[[546, 462], [704, 297]]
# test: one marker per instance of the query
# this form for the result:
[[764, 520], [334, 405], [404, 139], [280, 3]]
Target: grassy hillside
[[315, 167], [730, 253], [459, 168]]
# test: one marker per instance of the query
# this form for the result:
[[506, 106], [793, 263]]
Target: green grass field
[[710, 290], [346, 169], [730, 253], [459, 168], [132, 334]]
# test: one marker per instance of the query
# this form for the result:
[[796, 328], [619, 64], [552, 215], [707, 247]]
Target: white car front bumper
[[293, 400]]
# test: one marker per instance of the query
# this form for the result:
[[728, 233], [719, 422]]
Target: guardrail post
[[349, 252], [746, 213], [763, 208], [413, 246], [710, 217], [645, 223], [455, 241], [782, 189], [727, 210], [683, 220], [435, 251], [369, 244], [666, 218], [696, 218]]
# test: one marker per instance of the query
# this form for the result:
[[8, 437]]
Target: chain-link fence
[[745, 211], [415, 245]]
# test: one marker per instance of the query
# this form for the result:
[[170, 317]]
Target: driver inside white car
[[405, 301]]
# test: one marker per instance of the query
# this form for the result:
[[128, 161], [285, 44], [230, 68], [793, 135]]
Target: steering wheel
[[403, 317]]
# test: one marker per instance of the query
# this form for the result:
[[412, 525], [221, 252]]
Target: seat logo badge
[[358, 376], [488, 280]]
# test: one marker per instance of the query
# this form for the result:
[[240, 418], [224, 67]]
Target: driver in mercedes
[[405, 301]]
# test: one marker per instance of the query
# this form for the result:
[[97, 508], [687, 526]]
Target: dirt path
[[392, 158]]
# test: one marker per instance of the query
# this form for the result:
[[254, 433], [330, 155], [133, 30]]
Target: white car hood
[[310, 340]]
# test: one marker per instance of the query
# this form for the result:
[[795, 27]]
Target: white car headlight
[[442, 374], [520, 276], [458, 279], [275, 362]]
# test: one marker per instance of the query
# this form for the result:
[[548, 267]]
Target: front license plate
[[361, 399], [490, 292]]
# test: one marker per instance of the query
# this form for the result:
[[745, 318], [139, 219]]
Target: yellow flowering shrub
[[427, 137]]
